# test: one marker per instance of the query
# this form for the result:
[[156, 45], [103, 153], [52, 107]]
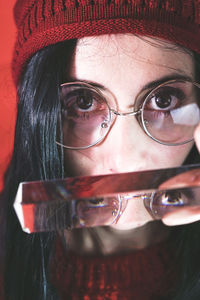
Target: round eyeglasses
[[168, 113]]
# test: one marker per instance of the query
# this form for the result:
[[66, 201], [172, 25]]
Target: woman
[[96, 82]]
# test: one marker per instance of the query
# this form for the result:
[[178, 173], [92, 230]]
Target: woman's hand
[[184, 215]]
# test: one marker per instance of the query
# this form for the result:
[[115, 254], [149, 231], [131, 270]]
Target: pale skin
[[124, 64]]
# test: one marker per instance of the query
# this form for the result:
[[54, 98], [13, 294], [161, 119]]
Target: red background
[[7, 88]]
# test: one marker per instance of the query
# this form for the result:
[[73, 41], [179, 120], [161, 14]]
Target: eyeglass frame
[[124, 114]]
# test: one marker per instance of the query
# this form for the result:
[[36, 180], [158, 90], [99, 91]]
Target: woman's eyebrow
[[92, 83], [149, 85], [155, 83]]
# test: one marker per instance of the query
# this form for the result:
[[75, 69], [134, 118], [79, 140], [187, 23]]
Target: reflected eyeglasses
[[168, 113]]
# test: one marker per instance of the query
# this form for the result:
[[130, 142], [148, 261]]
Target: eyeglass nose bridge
[[124, 114]]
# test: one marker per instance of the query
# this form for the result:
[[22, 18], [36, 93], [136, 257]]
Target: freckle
[[144, 154], [149, 158], [154, 159]]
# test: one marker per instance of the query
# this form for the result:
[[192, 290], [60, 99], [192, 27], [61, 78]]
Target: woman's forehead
[[129, 52], [128, 39]]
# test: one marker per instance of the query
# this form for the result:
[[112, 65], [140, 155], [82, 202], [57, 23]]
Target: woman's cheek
[[95, 161], [160, 156], [172, 156]]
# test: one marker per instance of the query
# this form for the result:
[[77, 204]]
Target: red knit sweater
[[140, 275]]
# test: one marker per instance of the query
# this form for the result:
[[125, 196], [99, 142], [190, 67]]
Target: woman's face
[[124, 65]]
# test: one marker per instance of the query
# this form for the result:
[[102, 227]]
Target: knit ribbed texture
[[44, 22], [140, 275]]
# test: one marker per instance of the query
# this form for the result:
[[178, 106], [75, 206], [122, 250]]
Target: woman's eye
[[163, 102], [81, 101], [84, 105], [165, 99], [84, 102], [78, 102], [99, 202], [172, 198]]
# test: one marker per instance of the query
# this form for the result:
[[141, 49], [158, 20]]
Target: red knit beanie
[[44, 22]]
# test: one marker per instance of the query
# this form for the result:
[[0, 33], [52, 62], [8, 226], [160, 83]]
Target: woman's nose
[[124, 145]]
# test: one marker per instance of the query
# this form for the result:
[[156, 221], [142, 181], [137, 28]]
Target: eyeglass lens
[[95, 212], [85, 116], [169, 113]]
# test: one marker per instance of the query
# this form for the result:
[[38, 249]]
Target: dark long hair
[[36, 156], [26, 257]]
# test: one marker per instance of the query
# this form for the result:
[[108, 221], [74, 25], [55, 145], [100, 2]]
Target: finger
[[197, 137], [182, 216], [189, 178]]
